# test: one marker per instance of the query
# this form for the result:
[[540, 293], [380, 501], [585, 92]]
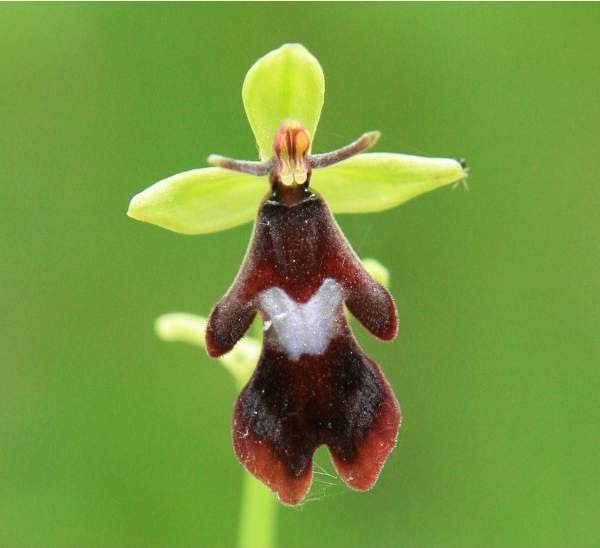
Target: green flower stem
[[258, 513]]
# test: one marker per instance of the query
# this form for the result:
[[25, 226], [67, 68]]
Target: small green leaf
[[381, 180], [189, 328], [287, 83], [200, 201]]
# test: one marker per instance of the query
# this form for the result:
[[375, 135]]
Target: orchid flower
[[313, 384]]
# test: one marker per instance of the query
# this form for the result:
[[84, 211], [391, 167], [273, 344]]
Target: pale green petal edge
[[380, 180], [200, 201], [287, 83]]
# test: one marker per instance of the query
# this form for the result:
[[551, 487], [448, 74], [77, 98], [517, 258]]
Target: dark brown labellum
[[313, 384]]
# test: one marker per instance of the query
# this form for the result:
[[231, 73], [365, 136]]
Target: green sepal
[[200, 201], [382, 180], [287, 83]]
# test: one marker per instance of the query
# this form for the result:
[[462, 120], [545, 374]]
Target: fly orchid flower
[[313, 384]]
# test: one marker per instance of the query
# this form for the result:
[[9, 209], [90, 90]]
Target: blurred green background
[[109, 437]]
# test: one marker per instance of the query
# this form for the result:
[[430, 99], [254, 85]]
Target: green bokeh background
[[109, 437]]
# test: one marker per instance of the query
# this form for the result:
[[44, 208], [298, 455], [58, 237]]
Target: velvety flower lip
[[313, 384]]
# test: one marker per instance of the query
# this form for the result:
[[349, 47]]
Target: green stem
[[258, 513]]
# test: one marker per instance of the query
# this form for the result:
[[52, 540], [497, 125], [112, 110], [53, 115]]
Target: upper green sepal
[[200, 201], [382, 180], [287, 83]]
